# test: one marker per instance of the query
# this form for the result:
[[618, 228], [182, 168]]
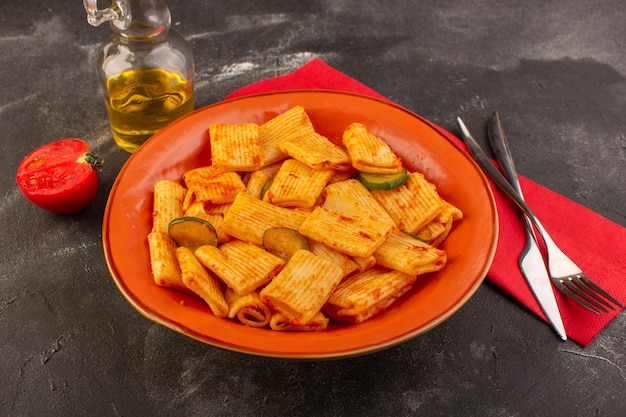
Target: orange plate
[[184, 145]]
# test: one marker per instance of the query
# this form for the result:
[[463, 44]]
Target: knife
[[532, 265], [531, 261]]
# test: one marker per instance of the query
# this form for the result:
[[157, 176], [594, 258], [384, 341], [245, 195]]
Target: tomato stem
[[93, 159]]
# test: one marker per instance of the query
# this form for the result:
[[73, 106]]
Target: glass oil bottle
[[145, 69]]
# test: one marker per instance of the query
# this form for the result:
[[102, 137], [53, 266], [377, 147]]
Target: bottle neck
[[146, 19]]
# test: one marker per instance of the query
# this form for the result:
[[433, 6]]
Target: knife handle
[[485, 163], [500, 147]]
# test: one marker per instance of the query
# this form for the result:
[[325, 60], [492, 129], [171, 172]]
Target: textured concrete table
[[72, 345]]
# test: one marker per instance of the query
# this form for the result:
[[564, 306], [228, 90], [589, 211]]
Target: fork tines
[[588, 294]]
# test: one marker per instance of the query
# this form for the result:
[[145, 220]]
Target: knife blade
[[531, 261], [536, 282]]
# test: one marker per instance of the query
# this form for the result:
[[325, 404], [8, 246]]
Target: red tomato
[[60, 176]]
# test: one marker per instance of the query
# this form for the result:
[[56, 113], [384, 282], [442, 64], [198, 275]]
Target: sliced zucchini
[[265, 187], [419, 236], [383, 181], [192, 232], [284, 242], [431, 232]]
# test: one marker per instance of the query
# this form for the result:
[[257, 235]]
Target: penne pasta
[[257, 184], [404, 253], [352, 198], [431, 232], [413, 205], [364, 262], [369, 153], [218, 189], [352, 235], [220, 209], [167, 205], [271, 170], [345, 262], [450, 213], [343, 175], [300, 290], [243, 266], [248, 218], [316, 151], [199, 174], [318, 323], [297, 185], [217, 220], [235, 147], [364, 295], [437, 231], [201, 282], [248, 309], [291, 123], [195, 175], [351, 241], [163, 264], [188, 200]]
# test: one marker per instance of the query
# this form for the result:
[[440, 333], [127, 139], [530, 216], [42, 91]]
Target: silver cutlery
[[531, 261], [564, 273]]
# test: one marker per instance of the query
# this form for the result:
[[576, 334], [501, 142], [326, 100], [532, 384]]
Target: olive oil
[[141, 101], [145, 69]]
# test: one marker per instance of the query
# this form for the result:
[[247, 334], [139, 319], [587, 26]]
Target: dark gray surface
[[72, 345]]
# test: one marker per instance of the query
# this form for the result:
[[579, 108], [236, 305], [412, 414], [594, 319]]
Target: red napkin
[[595, 243]]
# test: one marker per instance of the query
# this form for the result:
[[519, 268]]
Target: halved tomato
[[60, 176]]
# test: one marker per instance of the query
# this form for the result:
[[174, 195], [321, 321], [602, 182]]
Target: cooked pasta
[[235, 147], [316, 151], [243, 266], [256, 184], [297, 185], [363, 295], [354, 246], [165, 269], [318, 323], [248, 218], [217, 189], [168, 204], [344, 261], [217, 220], [352, 198], [291, 123], [352, 235], [201, 282], [300, 290], [413, 205], [365, 262], [407, 254], [368, 152], [248, 309]]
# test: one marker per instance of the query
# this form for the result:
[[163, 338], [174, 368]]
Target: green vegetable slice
[[192, 232], [284, 242], [265, 187], [383, 181], [426, 238]]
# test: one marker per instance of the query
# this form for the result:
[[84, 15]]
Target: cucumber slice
[[284, 242], [383, 181], [419, 236], [265, 187], [192, 232]]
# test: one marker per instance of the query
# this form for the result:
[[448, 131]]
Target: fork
[[564, 273]]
